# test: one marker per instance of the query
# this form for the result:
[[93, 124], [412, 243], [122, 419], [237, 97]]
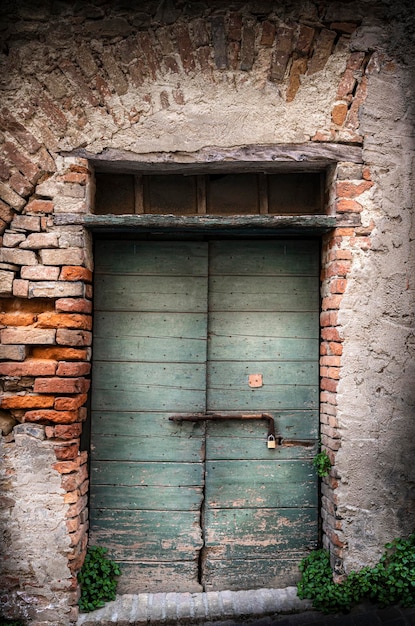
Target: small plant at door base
[[322, 463], [10, 622], [391, 581], [97, 579]]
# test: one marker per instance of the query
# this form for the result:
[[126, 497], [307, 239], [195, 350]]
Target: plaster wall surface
[[376, 393]]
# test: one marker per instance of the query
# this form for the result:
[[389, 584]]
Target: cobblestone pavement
[[262, 607]]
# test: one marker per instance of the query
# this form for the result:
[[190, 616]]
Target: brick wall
[[167, 77]]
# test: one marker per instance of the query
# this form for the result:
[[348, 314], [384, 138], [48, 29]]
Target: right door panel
[[261, 505]]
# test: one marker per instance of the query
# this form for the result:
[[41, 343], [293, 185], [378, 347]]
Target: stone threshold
[[211, 607]]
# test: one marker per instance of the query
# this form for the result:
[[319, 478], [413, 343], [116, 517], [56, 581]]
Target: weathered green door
[[185, 328]]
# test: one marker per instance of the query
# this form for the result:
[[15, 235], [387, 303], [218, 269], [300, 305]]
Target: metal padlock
[[271, 441]]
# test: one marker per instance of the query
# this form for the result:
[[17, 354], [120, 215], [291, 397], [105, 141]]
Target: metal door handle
[[201, 417]]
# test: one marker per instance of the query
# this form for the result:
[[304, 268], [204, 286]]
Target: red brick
[[40, 206], [328, 384], [330, 361], [72, 481], [62, 320], [43, 416], [76, 177], [327, 396], [61, 385], [75, 272], [88, 291], [72, 524], [348, 206], [61, 354], [346, 85], [17, 319], [305, 39], [76, 508], [346, 189], [4, 170], [336, 347], [268, 34], [20, 185], [31, 367], [328, 318], [355, 60], [65, 337], [235, 26], [73, 369], [67, 451], [343, 232], [67, 467], [70, 431], [364, 243], [282, 53], [359, 98], [185, 47], [338, 268], [366, 173], [70, 404], [322, 50], [24, 165], [298, 68], [18, 131], [73, 305], [331, 334], [339, 113], [331, 302], [27, 402], [340, 254]]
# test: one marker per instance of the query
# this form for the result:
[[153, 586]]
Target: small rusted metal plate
[[255, 380]]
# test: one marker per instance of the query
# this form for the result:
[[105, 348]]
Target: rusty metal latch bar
[[272, 438]]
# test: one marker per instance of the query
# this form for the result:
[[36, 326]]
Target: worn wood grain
[[130, 474], [154, 258], [274, 572], [267, 293], [260, 484], [151, 293], [251, 532], [148, 535], [155, 498], [239, 158], [126, 448], [135, 423], [265, 258], [147, 577]]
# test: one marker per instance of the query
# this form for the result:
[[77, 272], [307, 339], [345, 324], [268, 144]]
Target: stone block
[[40, 272], [10, 240], [11, 198], [20, 288], [68, 256], [70, 368], [44, 416], [73, 305], [32, 430], [26, 222], [6, 283], [27, 402], [70, 404], [73, 337], [13, 353], [26, 336], [61, 385], [64, 320], [31, 367], [52, 289], [18, 257], [36, 241], [40, 206]]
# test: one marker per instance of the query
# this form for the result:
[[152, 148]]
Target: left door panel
[[150, 330]]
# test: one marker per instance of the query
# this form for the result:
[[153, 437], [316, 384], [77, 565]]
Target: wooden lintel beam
[[295, 156]]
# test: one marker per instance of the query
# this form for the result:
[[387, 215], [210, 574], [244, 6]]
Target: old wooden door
[[186, 328]]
